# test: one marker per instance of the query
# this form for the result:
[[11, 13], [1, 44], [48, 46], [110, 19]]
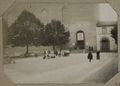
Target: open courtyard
[[70, 69]]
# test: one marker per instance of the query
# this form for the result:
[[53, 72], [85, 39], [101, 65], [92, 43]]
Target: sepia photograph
[[60, 42]]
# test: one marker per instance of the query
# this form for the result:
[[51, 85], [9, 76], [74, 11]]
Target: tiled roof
[[106, 23]]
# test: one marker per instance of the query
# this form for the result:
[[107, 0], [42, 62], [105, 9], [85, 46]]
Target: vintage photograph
[[60, 43]]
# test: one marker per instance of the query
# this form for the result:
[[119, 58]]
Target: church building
[[79, 19]]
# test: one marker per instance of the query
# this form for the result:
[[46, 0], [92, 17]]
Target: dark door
[[105, 45]]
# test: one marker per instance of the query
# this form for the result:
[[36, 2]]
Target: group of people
[[48, 54], [90, 55]]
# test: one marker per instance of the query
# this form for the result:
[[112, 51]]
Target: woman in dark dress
[[90, 56], [98, 55]]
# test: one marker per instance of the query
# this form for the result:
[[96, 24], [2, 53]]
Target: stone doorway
[[80, 40], [105, 45]]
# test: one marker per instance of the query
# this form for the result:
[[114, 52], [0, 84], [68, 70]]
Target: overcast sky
[[106, 13]]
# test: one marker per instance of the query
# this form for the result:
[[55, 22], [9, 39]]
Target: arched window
[[80, 39]]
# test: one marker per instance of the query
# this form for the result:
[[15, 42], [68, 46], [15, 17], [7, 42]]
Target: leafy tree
[[114, 34], [25, 30], [55, 34]]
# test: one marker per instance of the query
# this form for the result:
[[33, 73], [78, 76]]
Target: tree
[[55, 34], [114, 34], [25, 30]]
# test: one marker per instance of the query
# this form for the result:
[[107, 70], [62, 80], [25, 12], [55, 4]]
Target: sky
[[104, 12], [107, 13]]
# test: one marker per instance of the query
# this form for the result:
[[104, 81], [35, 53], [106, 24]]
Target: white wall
[[99, 34]]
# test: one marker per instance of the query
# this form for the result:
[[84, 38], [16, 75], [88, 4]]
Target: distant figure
[[90, 56], [56, 52], [48, 54], [44, 57], [45, 54], [59, 53], [90, 48], [98, 55]]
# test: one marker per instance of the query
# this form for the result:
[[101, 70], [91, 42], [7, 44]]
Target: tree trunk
[[54, 47], [27, 50]]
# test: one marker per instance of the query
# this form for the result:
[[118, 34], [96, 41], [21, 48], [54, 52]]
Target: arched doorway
[[105, 45], [80, 40]]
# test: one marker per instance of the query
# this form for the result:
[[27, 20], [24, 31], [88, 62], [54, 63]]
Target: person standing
[[44, 57], [48, 54], [56, 52], [98, 55], [90, 56]]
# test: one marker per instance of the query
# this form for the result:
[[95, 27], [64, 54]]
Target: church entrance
[[105, 45], [80, 40]]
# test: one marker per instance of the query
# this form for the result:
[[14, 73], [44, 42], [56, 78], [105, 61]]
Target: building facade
[[105, 42], [79, 19]]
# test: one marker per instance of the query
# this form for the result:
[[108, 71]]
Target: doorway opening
[[105, 45], [80, 40]]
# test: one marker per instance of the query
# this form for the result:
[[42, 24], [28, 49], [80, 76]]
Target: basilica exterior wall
[[75, 17], [81, 17]]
